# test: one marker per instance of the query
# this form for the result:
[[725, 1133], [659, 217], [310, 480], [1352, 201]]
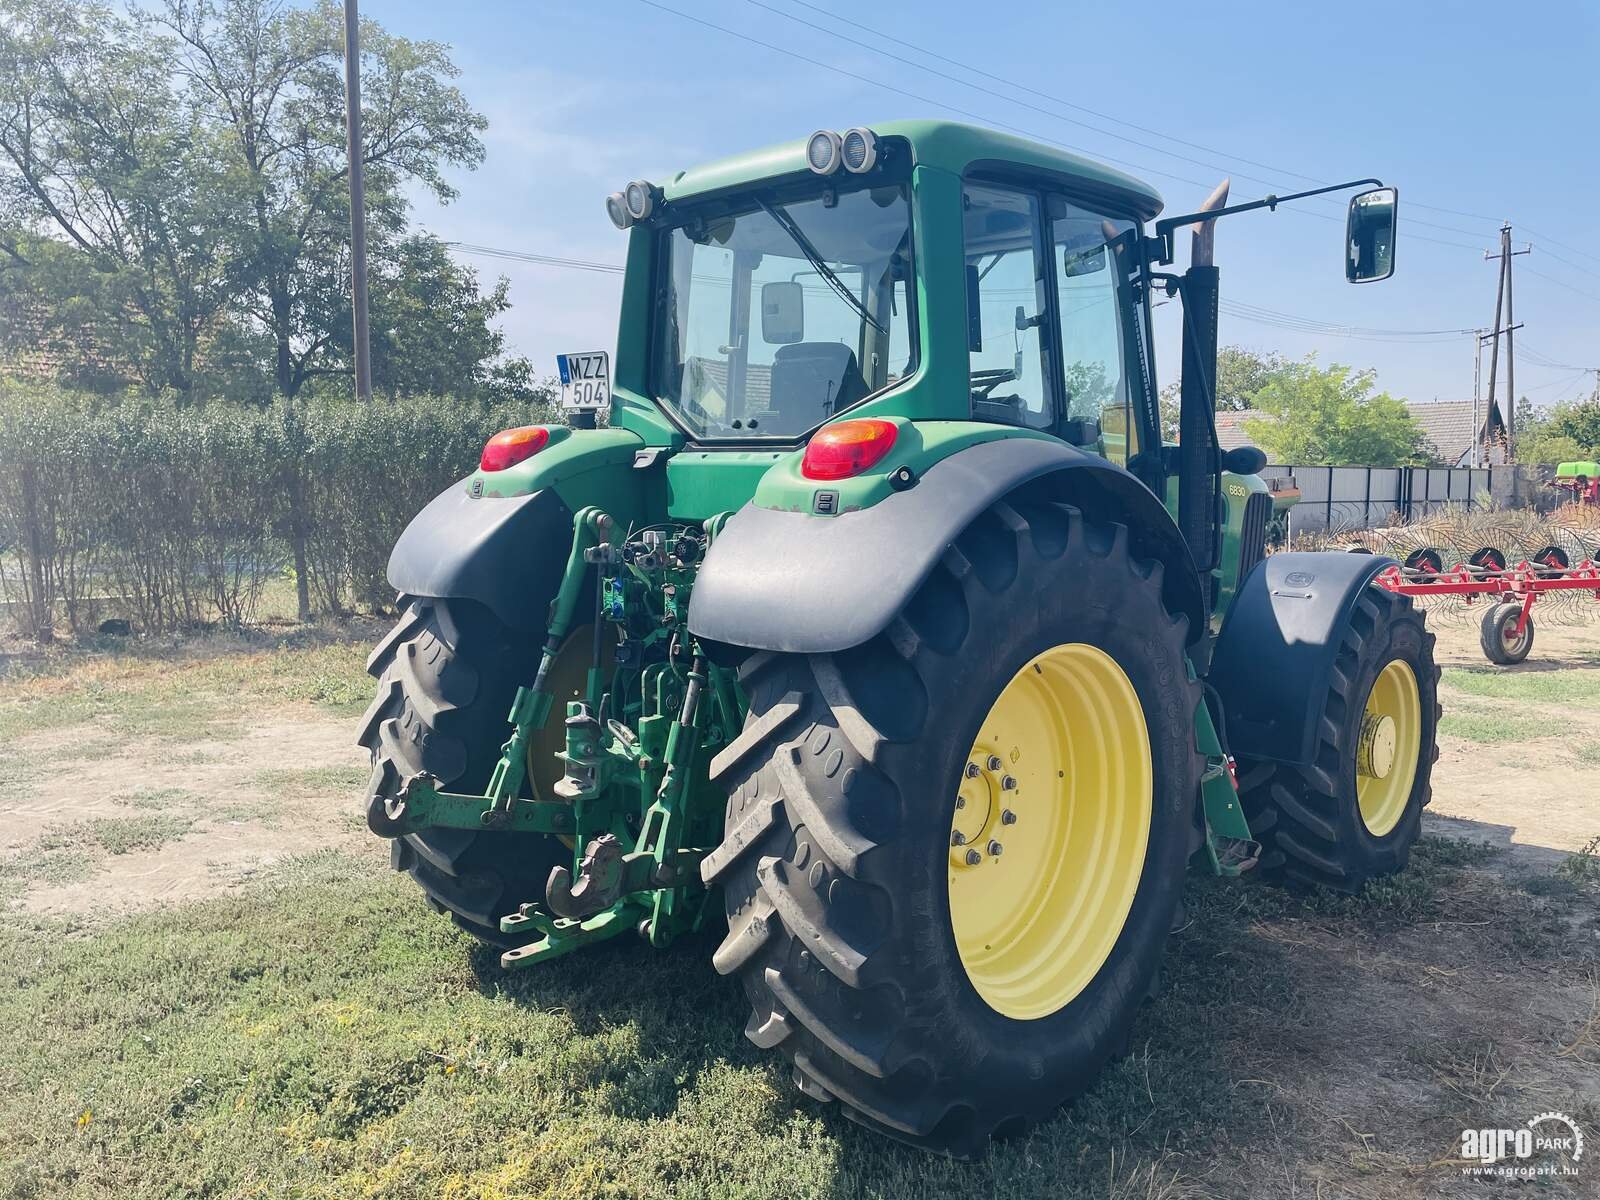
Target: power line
[[545, 260], [1012, 99], [1061, 100], [1564, 246], [1563, 283], [976, 116], [1543, 360], [1249, 312]]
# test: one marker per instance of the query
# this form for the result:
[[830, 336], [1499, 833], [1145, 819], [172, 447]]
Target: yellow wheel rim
[[1051, 821], [1388, 748]]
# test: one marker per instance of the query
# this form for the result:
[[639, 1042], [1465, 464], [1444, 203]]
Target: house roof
[[1447, 424]]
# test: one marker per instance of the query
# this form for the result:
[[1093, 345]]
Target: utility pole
[[1503, 296], [358, 204], [1478, 336]]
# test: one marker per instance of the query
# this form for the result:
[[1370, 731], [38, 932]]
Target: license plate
[[585, 380]]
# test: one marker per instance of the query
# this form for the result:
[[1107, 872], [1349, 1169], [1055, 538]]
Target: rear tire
[[1309, 819], [836, 859], [1499, 639], [447, 675]]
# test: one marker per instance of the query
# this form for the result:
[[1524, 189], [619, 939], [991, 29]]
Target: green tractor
[[877, 620]]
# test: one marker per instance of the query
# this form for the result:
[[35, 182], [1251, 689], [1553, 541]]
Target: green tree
[[266, 81], [1241, 373], [1333, 416], [1565, 432], [119, 215]]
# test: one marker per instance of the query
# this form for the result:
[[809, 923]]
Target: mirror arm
[[1165, 226]]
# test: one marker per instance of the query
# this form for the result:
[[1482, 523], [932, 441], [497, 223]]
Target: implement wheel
[[1353, 813], [953, 854], [447, 674], [1498, 635]]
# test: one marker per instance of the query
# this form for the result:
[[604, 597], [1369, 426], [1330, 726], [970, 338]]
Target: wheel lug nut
[[958, 838], [1007, 817], [961, 801], [1008, 783], [973, 858], [972, 770], [994, 762], [994, 848]]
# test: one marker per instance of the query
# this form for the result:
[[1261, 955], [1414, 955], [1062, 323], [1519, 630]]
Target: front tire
[[864, 958], [1354, 812]]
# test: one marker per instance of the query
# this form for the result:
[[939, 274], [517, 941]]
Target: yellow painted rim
[[1048, 837], [1388, 748]]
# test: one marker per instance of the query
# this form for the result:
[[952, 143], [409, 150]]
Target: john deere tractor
[[859, 606]]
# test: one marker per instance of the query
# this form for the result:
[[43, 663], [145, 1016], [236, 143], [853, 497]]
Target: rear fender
[[502, 538], [1277, 649], [806, 584]]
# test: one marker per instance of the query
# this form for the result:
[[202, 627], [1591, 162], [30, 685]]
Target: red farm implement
[[1507, 626]]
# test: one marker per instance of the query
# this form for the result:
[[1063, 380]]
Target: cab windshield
[[778, 310]]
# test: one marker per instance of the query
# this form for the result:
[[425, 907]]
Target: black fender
[[506, 552], [1277, 647], [804, 584]]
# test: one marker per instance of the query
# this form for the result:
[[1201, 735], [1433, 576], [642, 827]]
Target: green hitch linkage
[[531, 708]]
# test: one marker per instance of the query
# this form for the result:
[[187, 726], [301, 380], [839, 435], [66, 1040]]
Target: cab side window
[[1007, 303], [1092, 257]]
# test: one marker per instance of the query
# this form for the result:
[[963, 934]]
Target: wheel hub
[[1375, 752], [985, 803]]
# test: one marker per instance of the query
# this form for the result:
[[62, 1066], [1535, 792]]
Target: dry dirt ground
[[1469, 995]]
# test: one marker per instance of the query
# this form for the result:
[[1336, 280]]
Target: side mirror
[[1369, 235], [783, 313]]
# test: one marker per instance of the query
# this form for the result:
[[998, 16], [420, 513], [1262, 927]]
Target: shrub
[[177, 516]]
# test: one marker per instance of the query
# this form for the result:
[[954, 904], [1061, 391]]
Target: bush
[[176, 517]]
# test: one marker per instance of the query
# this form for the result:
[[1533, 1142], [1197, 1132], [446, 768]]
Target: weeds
[[117, 835]]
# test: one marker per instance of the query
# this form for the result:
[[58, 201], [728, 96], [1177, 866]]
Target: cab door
[[1099, 329]]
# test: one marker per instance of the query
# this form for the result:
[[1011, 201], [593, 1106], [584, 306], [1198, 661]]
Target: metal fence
[[1364, 497]]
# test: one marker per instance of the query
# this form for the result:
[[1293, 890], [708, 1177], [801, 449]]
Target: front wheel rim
[[1388, 747], [1049, 831]]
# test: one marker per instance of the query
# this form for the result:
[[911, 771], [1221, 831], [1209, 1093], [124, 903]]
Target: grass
[[202, 688], [117, 835], [258, 1043], [324, 1034], [157, 798], [1491, 727], [34, 867], [313, 780], [1501, 684]]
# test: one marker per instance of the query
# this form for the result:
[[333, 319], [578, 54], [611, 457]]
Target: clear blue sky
[[1484, 109]]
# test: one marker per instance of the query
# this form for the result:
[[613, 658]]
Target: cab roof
[[949, 145]]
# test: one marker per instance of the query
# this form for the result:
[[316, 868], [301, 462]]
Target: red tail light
[[847, 448], [510, 446]]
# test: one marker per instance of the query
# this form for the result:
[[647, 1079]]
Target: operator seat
[[813, 380]]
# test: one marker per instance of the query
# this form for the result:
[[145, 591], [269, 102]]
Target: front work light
[[847, 448], [617, 210], [511, 446], [859, 149], [822, 152], [641, 199]]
